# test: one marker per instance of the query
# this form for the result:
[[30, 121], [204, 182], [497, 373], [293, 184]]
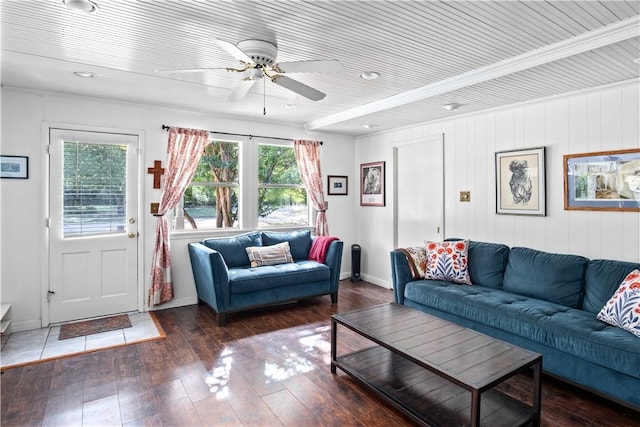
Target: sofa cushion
[[233, 249], [269, 255], [571, 331], [551, 277], [243, 280], [623, 309], [601, 280], [448, 261], [487, 262], [299, 241]]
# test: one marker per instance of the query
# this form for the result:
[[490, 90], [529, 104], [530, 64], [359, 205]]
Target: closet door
[[419, 191]]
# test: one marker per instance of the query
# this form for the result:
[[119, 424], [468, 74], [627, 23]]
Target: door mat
[[94, 326]]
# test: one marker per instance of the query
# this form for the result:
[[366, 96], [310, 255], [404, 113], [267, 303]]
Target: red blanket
[[319, 248]]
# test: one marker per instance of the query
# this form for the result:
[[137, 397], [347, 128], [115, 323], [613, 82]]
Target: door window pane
[[94, 189]]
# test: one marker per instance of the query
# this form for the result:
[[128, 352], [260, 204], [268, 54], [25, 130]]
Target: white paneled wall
[[605, 119]]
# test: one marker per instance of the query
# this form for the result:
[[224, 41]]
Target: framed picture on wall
[[602, 181], [520, 182], [372, 184], [14, 167], [337, 185]]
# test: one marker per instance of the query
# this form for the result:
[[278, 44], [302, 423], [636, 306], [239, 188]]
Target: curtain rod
[[165, 127]]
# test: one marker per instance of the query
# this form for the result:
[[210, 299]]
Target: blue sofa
[[541, 301], [227, 283]]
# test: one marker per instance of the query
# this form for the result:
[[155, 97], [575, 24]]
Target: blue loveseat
[[541, 301], [226, 281]]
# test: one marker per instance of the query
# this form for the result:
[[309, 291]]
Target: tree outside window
[[211, 200], [282, 198]]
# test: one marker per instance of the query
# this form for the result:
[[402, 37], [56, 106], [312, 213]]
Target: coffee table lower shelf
[[425, 396]]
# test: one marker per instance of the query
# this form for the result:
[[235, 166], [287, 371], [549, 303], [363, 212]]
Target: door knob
[[132, 220], [132, 235]]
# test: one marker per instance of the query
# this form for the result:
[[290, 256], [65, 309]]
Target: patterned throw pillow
[[416, 259], [448, 261], [269, 255], [623, 308]]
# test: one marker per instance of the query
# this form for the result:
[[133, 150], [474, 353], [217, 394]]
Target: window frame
[[248, 187], [261, 185], [177, 213]]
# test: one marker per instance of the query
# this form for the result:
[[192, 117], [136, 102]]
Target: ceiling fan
[[258, 58]]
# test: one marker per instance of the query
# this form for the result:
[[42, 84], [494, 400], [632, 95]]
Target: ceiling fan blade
[[187, 70], [234, 51], [328, 66], [241, 89], [299, 88]]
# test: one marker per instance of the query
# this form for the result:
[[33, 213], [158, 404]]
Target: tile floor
[[39, 344]]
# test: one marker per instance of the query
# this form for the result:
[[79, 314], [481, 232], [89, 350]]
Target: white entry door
[[419, 191], [93, 243]]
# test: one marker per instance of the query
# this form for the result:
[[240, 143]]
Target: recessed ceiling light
[[367, 126], [452, 107], [290, 106], [369, 75], [86, 74], [85, 6]]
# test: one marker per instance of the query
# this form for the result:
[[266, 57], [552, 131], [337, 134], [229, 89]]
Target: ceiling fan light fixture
[[84, 74], [84, 6], [369, 75], [255, 74], [454, 106]]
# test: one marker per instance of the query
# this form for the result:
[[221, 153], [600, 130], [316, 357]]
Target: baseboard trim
[[376, 281], [25, 325], [175, 303]]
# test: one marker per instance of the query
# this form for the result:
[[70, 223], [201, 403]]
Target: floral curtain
[[308, 159], [184, 149]]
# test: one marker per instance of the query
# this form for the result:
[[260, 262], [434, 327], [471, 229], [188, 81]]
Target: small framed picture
[[520, 182], [14, 167], [372, 184], [602, 181], [337, 185]]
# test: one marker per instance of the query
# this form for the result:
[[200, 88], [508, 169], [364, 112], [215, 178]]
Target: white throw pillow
[[269, 255]]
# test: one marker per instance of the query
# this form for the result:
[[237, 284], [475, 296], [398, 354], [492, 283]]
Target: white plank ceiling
[[481, 54]]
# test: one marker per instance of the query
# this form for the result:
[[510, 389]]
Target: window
[[94, 188], [282, 198], [211, 200], [244, 184]]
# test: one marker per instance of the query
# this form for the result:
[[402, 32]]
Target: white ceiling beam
[[614, 33]]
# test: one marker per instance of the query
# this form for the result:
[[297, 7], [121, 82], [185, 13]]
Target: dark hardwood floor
[[268, 367]]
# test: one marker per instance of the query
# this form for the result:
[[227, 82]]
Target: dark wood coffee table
[[435, 371]]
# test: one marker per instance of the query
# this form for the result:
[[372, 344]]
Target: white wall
[[25, 116], [605, 119], [598, 120]]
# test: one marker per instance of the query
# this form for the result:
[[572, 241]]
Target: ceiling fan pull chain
[[264, 97]]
